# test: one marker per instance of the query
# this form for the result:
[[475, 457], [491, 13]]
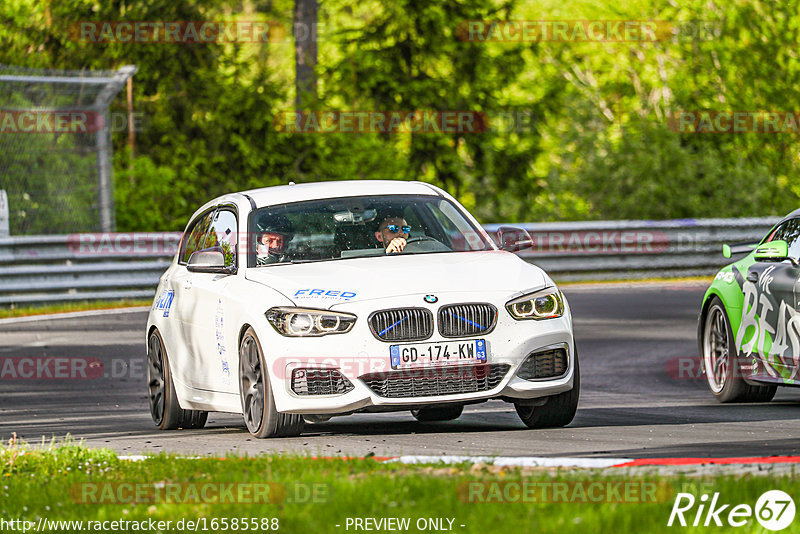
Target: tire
[[723, 372], [558, 411], [438, 413], [258, 403], [165, 409]]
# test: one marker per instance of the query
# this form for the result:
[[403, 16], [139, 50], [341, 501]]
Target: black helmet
[[277, 224]]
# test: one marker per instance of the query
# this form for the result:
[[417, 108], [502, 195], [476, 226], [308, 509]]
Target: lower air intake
[[549, 363], [319, 382], [434, 382]]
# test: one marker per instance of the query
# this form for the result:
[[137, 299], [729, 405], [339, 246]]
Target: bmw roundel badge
[[430, 299]]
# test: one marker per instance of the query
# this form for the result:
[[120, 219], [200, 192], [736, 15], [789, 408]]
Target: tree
[[305, 46]]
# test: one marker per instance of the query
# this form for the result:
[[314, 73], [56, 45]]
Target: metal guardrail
[[43, 269], [613, 250]]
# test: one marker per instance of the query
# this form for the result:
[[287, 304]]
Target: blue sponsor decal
[[325, 294], [480, 349], [165, 301]]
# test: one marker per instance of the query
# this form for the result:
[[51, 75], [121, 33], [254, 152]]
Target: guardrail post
[[4, 225]]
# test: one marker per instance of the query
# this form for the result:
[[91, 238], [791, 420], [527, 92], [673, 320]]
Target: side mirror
[[774, 251], [738, 248], [513, 239], [208, 261]]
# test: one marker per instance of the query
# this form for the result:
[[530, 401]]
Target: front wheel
[[558, 411], [165, 410], [258, 404], [721, 361]]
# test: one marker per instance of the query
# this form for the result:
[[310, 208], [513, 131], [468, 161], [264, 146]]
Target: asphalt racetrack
[[640, 395]]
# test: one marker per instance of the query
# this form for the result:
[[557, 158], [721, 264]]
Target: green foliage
[[147, 195], [612, 145], [80, 484], [598, 145]]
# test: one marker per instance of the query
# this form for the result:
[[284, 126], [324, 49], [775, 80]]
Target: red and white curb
[[513, 461], [744, 460], [592, 463], [539, 461]]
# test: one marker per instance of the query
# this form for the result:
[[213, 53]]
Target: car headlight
[[546, 304], [309, 322]]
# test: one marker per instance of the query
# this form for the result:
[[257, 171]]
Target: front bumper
[[358, 356]]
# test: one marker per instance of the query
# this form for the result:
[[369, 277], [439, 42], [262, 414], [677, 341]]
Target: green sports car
[[749, 326]]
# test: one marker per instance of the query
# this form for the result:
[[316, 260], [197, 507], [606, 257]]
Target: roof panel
[[282, 194]]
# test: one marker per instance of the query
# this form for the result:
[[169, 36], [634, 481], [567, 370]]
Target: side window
[[789, 232], [223, 235], [792, 237], [195, 235]]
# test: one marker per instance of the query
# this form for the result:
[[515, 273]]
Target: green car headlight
[[546, 304], [309, 322]]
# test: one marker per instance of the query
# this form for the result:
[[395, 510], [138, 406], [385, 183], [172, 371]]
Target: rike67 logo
[[774, 510]]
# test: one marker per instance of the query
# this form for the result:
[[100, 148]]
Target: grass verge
[[25, 311], [70, 482]]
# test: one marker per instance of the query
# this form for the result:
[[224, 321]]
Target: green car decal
[[758, 293]]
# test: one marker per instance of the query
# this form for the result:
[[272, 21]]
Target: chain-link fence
[[55, 148]]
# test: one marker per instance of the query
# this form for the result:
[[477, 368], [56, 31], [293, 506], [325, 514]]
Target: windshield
[[340, 228]]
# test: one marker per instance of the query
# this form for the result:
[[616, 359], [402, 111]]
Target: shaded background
[[595, 142]]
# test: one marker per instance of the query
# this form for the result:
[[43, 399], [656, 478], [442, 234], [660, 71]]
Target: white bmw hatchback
[[301, 302]]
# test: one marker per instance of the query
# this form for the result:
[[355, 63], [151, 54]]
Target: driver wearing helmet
[[276, 232]]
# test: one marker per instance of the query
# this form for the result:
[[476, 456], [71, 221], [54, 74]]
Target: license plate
[[434, 354]]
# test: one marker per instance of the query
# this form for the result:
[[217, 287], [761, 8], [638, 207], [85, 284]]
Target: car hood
[[325, 284]]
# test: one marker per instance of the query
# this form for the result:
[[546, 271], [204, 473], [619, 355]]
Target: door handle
[[752, 277]]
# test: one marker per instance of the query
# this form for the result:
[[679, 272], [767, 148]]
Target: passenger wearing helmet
[[276, 232]]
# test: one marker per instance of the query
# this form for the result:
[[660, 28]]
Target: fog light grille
[[544, 364], [320, 382]]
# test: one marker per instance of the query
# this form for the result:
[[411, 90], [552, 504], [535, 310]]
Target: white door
[[215, 356]]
